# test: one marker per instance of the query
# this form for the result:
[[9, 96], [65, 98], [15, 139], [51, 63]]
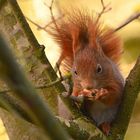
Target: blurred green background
[[38, 12]]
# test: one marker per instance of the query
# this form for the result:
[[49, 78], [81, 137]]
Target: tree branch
[[24, 90], [72, 126], [54, 83], [47, 25], [129, 20], [37, 25], [53, 21], [131, 90], [52, 16], [9, 104], [2, 2]]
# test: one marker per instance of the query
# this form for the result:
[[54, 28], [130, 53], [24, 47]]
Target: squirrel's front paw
[[83, 94], [89, 94], [101, 94], [94, 94]]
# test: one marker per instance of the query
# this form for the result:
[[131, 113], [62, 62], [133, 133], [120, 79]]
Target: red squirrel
[[92, 54]]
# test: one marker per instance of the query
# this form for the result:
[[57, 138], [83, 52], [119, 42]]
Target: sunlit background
[[38, 12]]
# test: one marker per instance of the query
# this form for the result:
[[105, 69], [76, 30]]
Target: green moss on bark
[[21, 20], [2, 2], [131, 91]]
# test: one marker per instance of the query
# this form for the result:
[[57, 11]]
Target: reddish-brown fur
[[79, 26], [85, 45]]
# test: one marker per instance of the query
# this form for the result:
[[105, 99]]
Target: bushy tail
[[81, 28]]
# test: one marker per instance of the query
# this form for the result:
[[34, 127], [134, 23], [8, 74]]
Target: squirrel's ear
[[75, 39], [93, 31], [98, 44]]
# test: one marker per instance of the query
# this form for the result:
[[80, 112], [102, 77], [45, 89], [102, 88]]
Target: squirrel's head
[[88, 47], [96, 52], [91, 67]]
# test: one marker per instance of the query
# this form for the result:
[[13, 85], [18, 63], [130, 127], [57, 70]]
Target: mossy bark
[[18, 129], [131, 91], [28, 52]]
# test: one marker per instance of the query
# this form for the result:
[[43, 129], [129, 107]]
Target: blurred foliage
[[131, 49], [137, 8]]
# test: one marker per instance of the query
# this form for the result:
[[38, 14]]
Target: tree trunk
[[17, 128]]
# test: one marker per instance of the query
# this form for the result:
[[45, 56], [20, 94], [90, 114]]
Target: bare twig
[[62, 78], [51, 22], [47, 25], [129, 20], [52, 15], [38, 87], [105, 9], [38, 26]]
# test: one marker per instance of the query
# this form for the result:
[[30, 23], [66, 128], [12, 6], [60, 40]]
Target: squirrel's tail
[[80, 28]]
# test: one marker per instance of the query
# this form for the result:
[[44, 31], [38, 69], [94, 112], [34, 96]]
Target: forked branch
[[105, 9]]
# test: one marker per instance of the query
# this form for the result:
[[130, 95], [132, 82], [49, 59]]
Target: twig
[[48, 24], [129, 20], [52, 16], [38, 26], [105, 9], [51, 22], [44, 86]]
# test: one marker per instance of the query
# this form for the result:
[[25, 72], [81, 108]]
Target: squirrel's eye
[[75, 72], [99, 68]]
